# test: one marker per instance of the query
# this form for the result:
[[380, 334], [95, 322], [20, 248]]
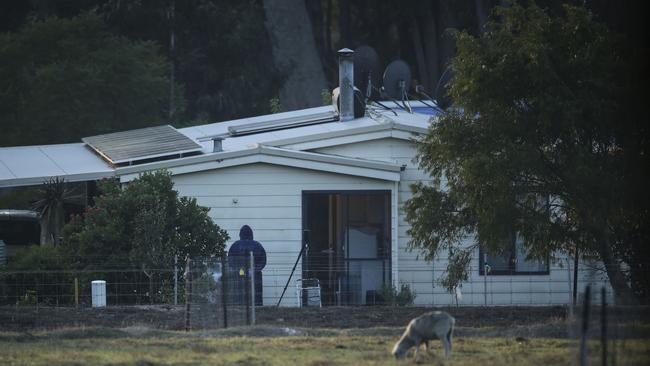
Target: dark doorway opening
[[349, 245]]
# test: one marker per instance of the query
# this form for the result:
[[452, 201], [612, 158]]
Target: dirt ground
[[173, 317]]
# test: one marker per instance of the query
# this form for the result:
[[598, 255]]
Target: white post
[[252, 274], [98, 288]]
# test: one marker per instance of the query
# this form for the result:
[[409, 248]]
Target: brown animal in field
[[433, 325]]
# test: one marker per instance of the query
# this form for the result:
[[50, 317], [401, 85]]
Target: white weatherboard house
[[305, 176]]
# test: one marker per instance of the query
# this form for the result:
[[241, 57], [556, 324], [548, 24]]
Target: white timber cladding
[[268, 198], [423, 276]]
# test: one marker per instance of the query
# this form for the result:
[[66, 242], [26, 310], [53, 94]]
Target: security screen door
[[349, 238]]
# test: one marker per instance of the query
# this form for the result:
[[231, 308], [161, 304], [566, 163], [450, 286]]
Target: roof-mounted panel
[[144, 144], [282, 123]]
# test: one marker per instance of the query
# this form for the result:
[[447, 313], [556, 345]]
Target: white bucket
[[98, 290]]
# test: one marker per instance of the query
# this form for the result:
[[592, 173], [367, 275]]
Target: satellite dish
[[367, 70], [397, 79]]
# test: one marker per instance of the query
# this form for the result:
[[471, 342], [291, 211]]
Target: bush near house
[[140, 226], [145, 222]]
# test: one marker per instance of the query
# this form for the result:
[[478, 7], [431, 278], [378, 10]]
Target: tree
[[216, 52], [68, 78], [55, 194], [544, 107], [144, 224]]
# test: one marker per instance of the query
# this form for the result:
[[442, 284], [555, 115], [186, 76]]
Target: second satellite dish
[[397, 79]]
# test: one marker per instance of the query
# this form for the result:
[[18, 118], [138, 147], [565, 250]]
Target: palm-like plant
[[55, 194]]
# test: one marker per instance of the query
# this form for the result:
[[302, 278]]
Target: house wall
[[423, 277], [268, 198]]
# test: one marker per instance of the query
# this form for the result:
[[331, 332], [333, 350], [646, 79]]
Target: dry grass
[[268, 346]]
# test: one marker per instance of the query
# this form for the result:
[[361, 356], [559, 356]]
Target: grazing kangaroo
[[433, 325]]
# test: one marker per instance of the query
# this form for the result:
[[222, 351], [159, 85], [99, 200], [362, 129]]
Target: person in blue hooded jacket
[[239, 260]]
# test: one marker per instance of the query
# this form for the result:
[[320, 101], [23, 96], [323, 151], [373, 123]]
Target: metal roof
[[144, 143], [31, 165]]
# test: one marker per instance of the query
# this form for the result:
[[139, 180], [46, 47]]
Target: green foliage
[[326, 96], [221, 51], [457, 270], [27, 271], [38, 258], [403, 296], [29, 299], [55, 194], [18, 198], [68, 78], [274, 105], [543, 107], [145, 223]]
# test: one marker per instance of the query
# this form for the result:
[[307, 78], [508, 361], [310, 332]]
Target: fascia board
[[338, 160], [410, 128], [333, 138], [332, 168], [199, 167], [329, 135], [34, 181], [191, 160], [341, 140], [283, 160], [404, 135]]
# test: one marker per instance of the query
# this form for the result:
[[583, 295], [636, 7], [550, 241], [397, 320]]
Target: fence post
[[485, 271], [188, 292], [603, 325], [76, 292], [252, 275], [176, 279], [224, 290], [570, 303], [247, 290], [575, 276], [585, 327]]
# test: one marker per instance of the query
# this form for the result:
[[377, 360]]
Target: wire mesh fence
[[224, 292], [605, 332]]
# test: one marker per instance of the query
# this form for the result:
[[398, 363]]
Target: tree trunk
[[622, 291], [430, 43], [344, 23], [419, 53], [328, 26], [295, 53], [481, 14]]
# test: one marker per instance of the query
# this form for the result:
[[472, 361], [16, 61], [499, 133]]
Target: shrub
[[394, 297]]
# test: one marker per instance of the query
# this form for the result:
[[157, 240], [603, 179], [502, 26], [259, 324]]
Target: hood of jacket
[[246, 233]]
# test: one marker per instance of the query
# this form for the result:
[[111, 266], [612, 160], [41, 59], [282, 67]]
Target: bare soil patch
[[173, 317]]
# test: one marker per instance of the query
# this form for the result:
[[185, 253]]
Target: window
[[512, 262]]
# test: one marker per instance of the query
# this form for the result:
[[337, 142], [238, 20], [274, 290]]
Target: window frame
[[512, 260], [512, 265]]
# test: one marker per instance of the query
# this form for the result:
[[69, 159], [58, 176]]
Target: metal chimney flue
[[346, 84], [217, 144]]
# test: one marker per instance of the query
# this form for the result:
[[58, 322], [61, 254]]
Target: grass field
[[265, 345]]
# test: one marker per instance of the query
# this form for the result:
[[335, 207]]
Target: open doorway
[[349, 237]]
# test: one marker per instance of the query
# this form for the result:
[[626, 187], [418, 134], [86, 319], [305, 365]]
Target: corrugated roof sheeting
[[24, 165]]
